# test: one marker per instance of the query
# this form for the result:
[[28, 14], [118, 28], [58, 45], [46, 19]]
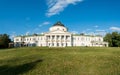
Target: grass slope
[[60, 61]]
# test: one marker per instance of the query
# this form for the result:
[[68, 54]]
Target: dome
[[58, 27], [58, 24]]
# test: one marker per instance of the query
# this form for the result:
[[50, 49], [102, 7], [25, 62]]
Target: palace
[[58, 36]]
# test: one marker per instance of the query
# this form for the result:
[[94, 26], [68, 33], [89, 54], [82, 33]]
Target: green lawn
[[60, 61]]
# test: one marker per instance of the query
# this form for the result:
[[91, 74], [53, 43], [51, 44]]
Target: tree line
[[4, 40], [113, 39]]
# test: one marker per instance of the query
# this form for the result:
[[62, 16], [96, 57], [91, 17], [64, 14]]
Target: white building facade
[[58, 36]]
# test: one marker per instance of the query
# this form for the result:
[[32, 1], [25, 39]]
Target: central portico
[[58, 36]]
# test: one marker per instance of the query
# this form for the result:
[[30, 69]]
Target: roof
[[30, 35], [58, 24]]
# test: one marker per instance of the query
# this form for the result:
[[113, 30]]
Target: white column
[[60, 40], [70, 40], [55, 40], [46, 38], [64, 40], [50, 40]]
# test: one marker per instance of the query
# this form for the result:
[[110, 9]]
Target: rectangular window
[[57, 44], [52, 44], [17, 39]]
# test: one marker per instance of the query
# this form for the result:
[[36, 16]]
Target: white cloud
[[37, 29], [100, 30], [57, 6], [44, 23], [115, 28], [27, 33], [103, 33], [96, 26], [88, 29]]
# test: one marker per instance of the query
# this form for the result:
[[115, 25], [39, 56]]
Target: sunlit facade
[[58, 36]]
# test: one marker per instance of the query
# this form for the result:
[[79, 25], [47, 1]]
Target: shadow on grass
[[16, 70]]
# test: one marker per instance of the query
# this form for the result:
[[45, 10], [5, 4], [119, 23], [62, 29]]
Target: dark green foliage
[[4, 40], [108, 38], [113, 39]]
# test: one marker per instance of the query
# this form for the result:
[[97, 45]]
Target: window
[[53, 37], [57, 37], [34, 39], [82, 39], [17, 39], [99, 39], [57, 44], [49, 44], [57, 28], [62, 37], [48, 37], [52, 44], [62, 44], [68, 37], [66, 44]]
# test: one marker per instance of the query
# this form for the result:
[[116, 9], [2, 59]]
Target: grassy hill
[[60, 61]]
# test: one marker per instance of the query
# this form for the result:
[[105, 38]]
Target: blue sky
[[19, 17]]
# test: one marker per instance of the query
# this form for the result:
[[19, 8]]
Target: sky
[[21, 17]]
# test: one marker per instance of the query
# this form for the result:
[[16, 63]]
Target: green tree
[[119, 40], [113, 39], [4, 40], [108, 38]]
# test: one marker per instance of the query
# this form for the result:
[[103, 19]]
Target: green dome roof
[[58, 24]]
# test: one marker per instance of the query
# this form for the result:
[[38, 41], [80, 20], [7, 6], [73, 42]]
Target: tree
[[119, 40], [113, 39], [108, 38], [4, 40]]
